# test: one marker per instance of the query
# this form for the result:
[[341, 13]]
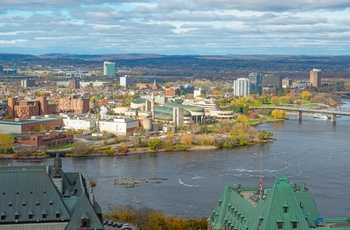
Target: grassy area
[[61, 147]]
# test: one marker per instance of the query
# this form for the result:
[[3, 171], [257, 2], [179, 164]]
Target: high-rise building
[[109, 69], [1, 70], [315, 78], [74, 83], [256, 82], [241, 87], [272, 80], [27, 83], [286, 82], [75, 104], [126, 81]]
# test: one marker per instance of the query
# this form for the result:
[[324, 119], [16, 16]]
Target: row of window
[[31, 215]]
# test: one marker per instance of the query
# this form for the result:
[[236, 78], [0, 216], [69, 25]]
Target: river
[[314, 151]]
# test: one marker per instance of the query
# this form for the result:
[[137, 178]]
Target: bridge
[[310, 108]]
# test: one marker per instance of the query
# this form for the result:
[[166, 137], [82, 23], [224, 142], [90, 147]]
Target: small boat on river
[[321, 116]]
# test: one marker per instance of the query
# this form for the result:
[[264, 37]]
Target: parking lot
[[115, 225]]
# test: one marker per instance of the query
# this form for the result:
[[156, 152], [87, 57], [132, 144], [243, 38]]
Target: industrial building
[[35, 123]]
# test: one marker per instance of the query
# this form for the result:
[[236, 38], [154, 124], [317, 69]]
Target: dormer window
[[285, 209], [279, 225], [294, 224]]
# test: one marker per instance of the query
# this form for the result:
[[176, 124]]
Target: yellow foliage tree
[[186, 139], [306, 95], [242, 119], [6, 142], [278, 114]]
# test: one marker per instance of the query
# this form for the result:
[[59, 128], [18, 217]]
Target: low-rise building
[[35, 123], [79, 123], [121, 126], [49, 139]]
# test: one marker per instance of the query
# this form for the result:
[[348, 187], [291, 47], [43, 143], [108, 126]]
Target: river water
[[314, 151]]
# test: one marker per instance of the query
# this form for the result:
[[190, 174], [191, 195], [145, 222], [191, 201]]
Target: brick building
[[49, 139], [74, 104], [27, 108], [172, 91]]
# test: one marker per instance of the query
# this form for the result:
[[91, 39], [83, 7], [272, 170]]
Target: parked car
[[126, 227], [105, 222], [110, 223]]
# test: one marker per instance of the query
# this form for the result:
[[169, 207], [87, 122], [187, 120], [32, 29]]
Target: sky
[[176, 27]]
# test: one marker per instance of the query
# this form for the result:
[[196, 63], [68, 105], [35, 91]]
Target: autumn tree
[[186, 139], [306, 95], [278, 114], [6, 143], [154, 144]]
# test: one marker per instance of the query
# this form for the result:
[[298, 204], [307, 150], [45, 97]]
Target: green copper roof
[[286, 206], [185, 107]]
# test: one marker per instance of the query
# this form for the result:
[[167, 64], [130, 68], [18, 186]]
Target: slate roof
[[286, 206]]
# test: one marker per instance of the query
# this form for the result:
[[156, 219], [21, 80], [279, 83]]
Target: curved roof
[[185, 107], [139, 101], [169, 110]]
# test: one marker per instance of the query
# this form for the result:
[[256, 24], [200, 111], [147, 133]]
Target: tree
[[80, 148], [6, 143], [278, 114], [242, 119], [186, 139], [306, 95], [154, 144]]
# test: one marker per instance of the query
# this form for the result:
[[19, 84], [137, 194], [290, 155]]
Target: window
[[44, 215], [279, 225], [16, 216], [285, 209], [294, 225], [30, 216], [58, 215], [85, 223]]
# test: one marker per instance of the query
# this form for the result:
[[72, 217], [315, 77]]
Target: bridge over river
[[311, 108]]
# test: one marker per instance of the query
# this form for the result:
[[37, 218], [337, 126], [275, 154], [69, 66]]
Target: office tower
[[126, 81], [272, 80], [74, 83], [109, 69], [27, 83], [286, 82], [256, 82], [1, 70], [241, 87], [315, 78]]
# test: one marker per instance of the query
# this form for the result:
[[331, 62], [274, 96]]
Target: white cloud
[[197, 26]]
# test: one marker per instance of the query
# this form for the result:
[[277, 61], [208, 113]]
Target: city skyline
[[180, 27]]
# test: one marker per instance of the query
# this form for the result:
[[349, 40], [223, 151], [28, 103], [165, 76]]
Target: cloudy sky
[[309, 27]]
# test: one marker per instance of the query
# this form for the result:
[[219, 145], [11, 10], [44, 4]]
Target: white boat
[[321, 116]]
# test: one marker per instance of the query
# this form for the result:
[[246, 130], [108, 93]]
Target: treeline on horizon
[[196, 66]]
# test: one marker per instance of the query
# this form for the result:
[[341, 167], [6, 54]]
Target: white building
[[76, 123], [121, 126], [199, 92], [109, 69], [126, 81], [241, 87]]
